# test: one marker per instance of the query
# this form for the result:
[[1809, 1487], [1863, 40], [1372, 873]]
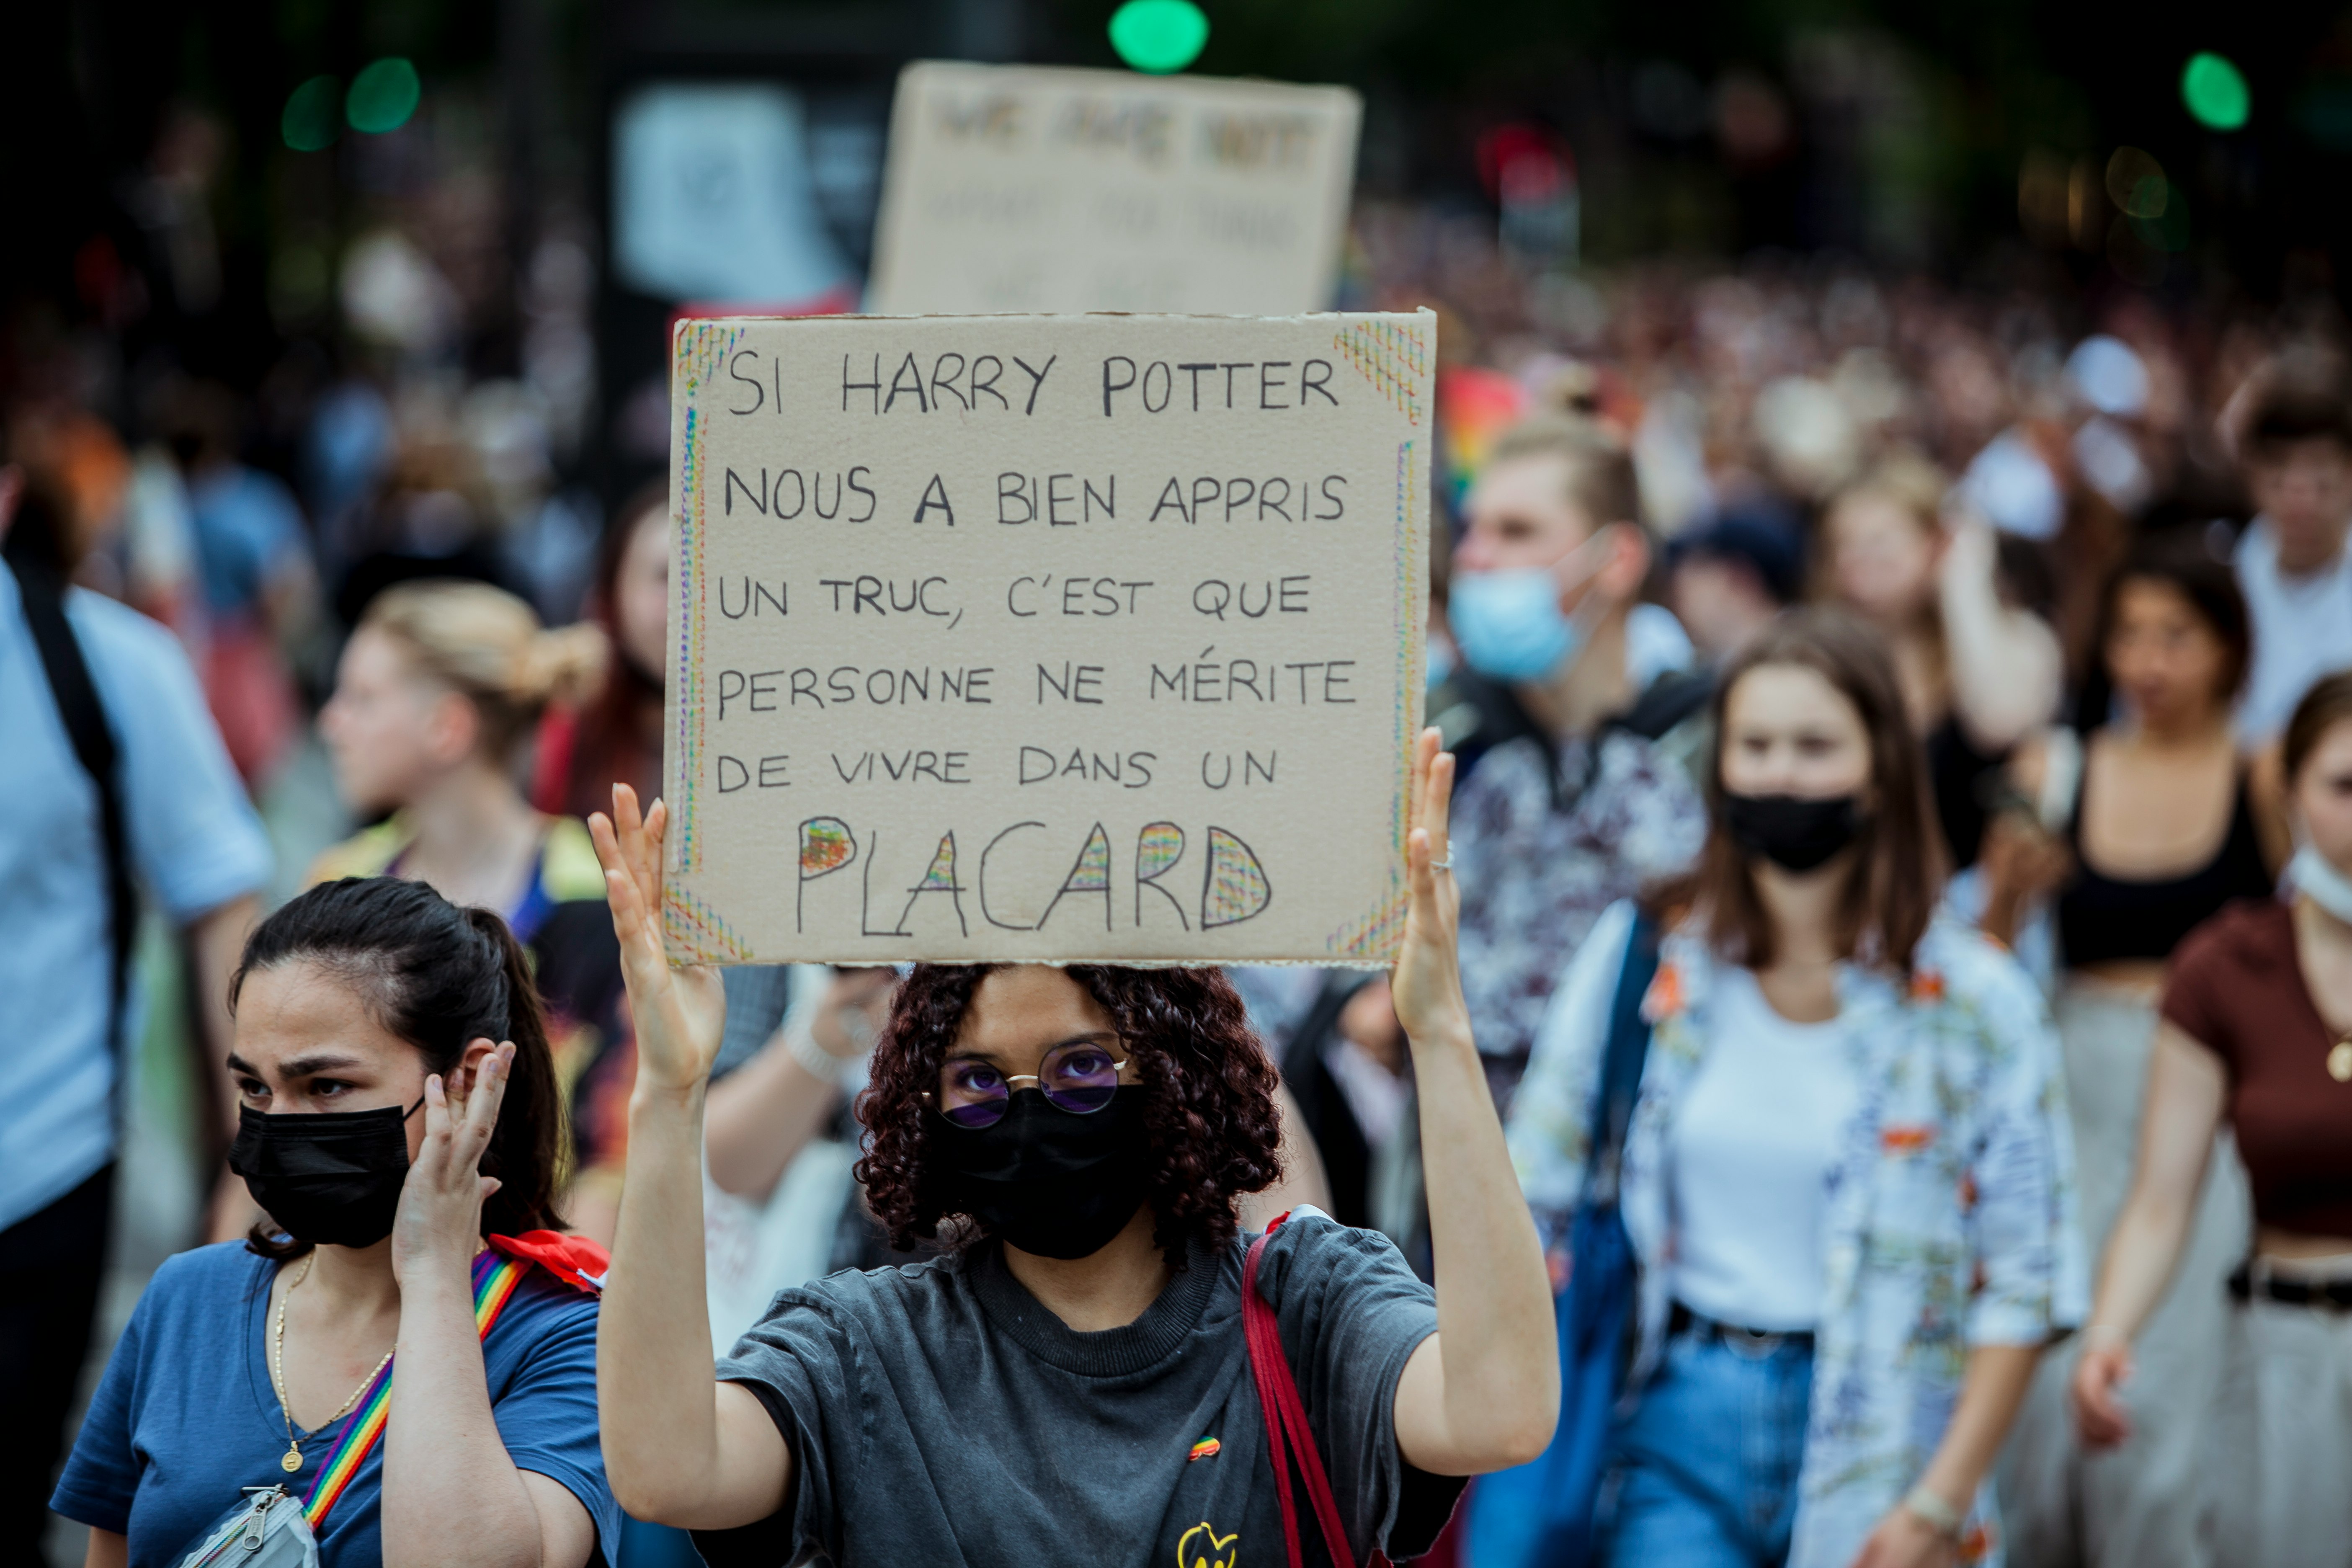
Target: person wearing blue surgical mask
[[1585, 727]]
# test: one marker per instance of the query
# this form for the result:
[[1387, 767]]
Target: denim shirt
[[1950, 1219]]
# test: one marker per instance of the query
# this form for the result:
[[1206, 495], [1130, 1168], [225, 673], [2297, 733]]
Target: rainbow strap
[[494, 1278]]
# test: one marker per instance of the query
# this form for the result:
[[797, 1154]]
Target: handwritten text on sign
[[1048, 637]]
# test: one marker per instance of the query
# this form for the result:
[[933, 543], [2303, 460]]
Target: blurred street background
[[300, 299]]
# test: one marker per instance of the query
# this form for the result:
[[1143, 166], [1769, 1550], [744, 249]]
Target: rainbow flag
[[1474, 406], [494, 1278]]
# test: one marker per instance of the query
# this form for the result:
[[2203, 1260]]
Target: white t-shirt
[[1752, 1146], [2302, 625]]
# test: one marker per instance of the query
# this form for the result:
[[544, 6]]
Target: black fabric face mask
[[332, 1179], [1048, 1181], [1796, 833]]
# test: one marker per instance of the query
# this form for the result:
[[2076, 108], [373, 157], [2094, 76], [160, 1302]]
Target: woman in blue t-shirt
[[269, 1365]]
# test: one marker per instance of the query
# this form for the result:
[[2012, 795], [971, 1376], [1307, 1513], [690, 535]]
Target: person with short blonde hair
[[1980, 670], [436, 699], [1579, 789]]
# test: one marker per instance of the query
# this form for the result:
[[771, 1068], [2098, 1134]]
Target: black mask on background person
[[332, 1179], [1050, 1182], [1796, 833]]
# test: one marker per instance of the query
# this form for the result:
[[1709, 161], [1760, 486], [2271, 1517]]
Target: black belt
[[2329, 1295], [1754, 1341]]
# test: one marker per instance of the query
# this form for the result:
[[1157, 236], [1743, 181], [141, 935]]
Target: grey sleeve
[[799, 1363], [1351, 1313], [757, 997]]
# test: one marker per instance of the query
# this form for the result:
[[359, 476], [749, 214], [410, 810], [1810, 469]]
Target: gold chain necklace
[[292, 1460]]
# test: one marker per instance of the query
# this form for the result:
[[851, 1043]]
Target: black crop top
[[2104, 919]]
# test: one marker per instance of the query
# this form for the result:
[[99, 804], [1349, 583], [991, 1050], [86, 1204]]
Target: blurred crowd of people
[[2100, 551], [2091, 550]]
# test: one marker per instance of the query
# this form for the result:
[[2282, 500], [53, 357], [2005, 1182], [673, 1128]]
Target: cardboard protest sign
[[1028, 188], [1046, 637]]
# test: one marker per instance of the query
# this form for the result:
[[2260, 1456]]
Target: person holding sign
[[1847, 1173], [397, 1366], [1079, 1375]]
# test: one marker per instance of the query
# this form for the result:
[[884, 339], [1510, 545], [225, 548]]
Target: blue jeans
[[1703, 1470]]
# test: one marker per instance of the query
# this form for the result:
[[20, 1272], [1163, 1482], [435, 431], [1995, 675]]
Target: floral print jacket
[[1536, 874], [1951, 1206]]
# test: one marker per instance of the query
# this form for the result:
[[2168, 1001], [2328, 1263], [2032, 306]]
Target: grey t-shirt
[[938, 1415]]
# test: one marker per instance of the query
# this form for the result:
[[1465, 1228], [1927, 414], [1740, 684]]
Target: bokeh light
[[312, 121], [1159, 36], [2136, 184], [384, 95], [2215, 92]]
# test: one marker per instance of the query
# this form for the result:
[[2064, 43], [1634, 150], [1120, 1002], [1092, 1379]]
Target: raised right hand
[[2100, 1417], [680, 1013]]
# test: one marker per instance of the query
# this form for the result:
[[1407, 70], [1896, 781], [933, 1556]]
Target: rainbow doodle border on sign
[[692, 927], [1374, 349], [699, 349], [1376, 935]]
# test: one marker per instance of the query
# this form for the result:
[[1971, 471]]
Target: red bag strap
[[1287, 1435]]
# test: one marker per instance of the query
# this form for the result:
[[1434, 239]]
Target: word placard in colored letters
[[1030, 188], [1046, 637]]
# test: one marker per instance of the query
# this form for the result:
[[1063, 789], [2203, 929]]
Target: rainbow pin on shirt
[[1206, 1448]]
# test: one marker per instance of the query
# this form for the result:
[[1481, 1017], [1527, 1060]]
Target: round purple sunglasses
[[1079, 1078]]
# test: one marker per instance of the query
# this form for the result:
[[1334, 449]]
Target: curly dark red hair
[[1210, 1114]]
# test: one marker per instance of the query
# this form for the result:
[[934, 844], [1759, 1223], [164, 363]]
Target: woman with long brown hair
[[1847, 1176], [615, 734], [1068, 1379], [2139, 832]]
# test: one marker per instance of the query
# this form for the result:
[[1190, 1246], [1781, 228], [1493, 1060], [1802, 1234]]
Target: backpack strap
[[1621, 1061], [1666, 703], [496, 1274], [1287, 1435], [43, 594]]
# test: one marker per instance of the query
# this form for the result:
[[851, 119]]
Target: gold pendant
[[2339, 1062], [293, 1459]]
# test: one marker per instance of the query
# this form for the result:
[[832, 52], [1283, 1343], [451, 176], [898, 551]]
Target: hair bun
[[489, 644], [561, 665]]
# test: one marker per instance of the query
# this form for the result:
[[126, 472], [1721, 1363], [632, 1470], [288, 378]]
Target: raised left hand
[[1904, 1540], [680, 1012], [439, 1221], [1427, 980]]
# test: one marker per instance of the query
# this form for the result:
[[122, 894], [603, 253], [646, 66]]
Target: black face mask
[[1049, 1181], [1795, 833], [332, 1179]]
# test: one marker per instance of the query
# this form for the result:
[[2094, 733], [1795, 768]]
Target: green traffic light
[[384, 95], [311, 122], [1159, 36], [2215, 92]]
